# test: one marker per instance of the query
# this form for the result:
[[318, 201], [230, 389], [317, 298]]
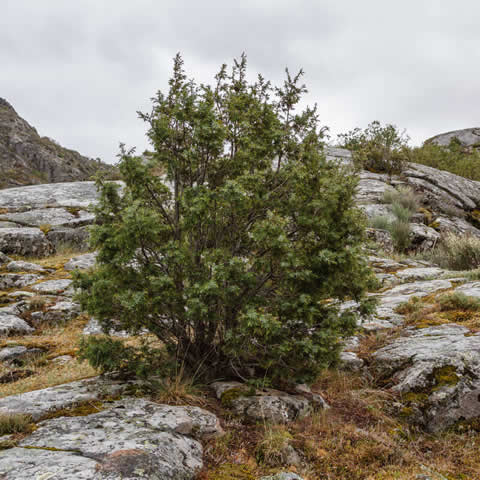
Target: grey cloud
[[78, 71]]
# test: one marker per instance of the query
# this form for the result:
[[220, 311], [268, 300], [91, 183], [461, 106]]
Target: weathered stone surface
[[419, 273], [17, 280], [35, 464], [58, 217], [443, 364], [38, 403], [351, 361], [7, 354], [21, 266], [456, 225], [81, 262], [76, 238], [4, 259], [137, 439], [472, 289], [24, 241], [94, 328], [371, 188], [382, 237], [423, 237], [468, 137], [266, 404], [58, 313], [11, 324], [68, 194], [373, 210], [52, 286]]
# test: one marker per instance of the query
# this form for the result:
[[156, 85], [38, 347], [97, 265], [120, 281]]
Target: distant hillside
[[26, 158]]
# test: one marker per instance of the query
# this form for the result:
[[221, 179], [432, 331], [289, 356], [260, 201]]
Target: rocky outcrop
[[468, 137], [40, 219], [27, 158], [136, 439]]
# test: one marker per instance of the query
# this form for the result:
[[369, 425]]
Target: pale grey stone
[[423, 237], [419, 273], [38, 403], [24, 241], [471, 289], [351, 361], [4, 259], [412, 360], [13, 325], [283, 476], [93, 327], [7, 354], [21, 266], [75, 238], [82, 262], [68, 194], [55, 217], [62, 359], [468, 137], [52, 286], [17, 280], [456, 225]]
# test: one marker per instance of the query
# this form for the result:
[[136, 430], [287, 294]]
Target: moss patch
[[231, 471]]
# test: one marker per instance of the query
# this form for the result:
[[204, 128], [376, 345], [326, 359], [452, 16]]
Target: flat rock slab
[[17, 280], [38, 403], [52, 286], [13, 325], [419, 273], [133, 439], [440, 363], [471, 289], [81, 262], [50, 216], [68, 194], [24, 241], [21, 266]]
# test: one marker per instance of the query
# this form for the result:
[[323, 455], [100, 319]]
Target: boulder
[[437, 371], [55, 287], [39, 403], [4, 259], [137, 439], [351, 361], [13, 325], [283, 476], [82, 262], [53, 217], [468, 137], [266, 404], [419, 273], [18, 353], [17, 280], [25, 242], [21, 266], [423, 237], [76, 238]]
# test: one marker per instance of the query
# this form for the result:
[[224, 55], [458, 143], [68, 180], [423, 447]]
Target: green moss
[[80, 410], [232, 394], [445, 376], [416, 397], [231, 471]]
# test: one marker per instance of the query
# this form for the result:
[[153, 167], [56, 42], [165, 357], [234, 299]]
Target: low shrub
[[400, 231], [378, 148], [14, 423], [459, 301], [458, 252], [404, 196]]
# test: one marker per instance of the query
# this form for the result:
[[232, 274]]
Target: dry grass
[[12, 423], [358, 438], [55, 341]]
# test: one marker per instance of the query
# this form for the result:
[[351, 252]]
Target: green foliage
[[233, 235], [458, 252], [404, 203], [454, 158], [378, 148], [14, 423], [459, 301]]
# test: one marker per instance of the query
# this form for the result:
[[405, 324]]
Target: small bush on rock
[[234, 257], [458, 252], [380, 149]]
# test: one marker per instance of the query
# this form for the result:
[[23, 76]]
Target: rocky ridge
[[27, 158]]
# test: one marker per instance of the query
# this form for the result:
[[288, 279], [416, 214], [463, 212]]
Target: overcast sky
[[79, 71]]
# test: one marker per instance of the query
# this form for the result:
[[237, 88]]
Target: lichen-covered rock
[[283, 476], [471, 289], [419, 273], [13, 325], [81, 262], [137, 439], [423, 237], [18, 353], [24, 241], [266, 404], [17, 280], [351, 361], [4, 259], [437, 369], [52, 286], [468, 137], [382, 237], [58, 313], [21, 266], [54, 217], [76, 238]]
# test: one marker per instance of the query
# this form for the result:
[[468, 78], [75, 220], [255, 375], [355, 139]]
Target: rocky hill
[[468, 137], [26, 158]]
